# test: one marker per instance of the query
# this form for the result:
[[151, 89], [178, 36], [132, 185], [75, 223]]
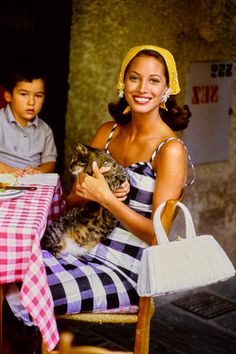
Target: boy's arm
[[46, 167], [49, 155], [4, 168]]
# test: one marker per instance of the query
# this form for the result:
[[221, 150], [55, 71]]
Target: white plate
[[8, 194]]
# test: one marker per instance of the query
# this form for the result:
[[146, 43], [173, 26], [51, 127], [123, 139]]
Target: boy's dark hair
[[23, 73]]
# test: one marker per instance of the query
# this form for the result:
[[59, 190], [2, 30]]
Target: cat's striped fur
[[83, 227]]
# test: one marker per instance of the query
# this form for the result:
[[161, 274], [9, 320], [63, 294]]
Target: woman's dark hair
[[176, 117], [116, 111]]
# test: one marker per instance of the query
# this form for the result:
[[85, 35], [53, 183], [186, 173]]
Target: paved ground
[[175, 330]]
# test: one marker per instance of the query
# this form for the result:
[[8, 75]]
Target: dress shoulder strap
[[189, 158], [110, 137], [160, 146]]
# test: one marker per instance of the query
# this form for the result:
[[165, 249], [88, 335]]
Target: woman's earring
[[127, 110], [121, 91], [166, 95]]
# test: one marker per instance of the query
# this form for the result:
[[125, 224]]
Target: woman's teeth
[[141, 99]]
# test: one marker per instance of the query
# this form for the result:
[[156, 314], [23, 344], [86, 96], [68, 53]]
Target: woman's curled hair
[[176, 117]]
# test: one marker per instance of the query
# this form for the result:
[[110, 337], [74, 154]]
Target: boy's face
[[26, 100]]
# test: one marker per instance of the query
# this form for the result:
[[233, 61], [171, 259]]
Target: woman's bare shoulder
[[106, 126], [172, 148], [102, 134]]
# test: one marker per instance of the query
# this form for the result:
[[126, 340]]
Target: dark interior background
[[39, 31]]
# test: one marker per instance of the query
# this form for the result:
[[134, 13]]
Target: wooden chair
[[145, 312], [65, 347]]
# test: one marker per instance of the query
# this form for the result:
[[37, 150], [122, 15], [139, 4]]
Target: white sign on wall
[[209, 97]]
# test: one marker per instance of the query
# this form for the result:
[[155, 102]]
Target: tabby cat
[[82, 228]]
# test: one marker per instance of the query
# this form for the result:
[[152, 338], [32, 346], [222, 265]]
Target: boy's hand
[[17, 172], [31, 170]]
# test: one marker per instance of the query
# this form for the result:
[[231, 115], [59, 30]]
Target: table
[[22, 224]]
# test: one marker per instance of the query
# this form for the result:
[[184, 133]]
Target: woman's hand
[[94, 187], [122, 192], [77, 196]]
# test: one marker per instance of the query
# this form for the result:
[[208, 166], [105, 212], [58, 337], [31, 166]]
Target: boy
[[26, 142]]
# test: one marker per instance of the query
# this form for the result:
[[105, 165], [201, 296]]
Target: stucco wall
[[103, 31]]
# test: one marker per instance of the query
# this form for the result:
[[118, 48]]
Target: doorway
[[40, 31]]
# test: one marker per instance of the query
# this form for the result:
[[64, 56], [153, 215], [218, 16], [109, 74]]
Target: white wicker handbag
[[185, 263]]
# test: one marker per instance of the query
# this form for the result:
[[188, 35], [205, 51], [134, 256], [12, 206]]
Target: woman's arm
[[170, 165], [74, 198]]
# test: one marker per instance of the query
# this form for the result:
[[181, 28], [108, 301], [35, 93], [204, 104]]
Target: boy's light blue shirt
[[29, 146]]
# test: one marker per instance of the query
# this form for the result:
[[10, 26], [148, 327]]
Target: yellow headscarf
[[169, 60]]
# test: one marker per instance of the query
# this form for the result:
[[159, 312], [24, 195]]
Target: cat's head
[[83, 158]]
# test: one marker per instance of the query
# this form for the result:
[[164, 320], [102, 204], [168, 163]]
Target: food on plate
[[6, 179]]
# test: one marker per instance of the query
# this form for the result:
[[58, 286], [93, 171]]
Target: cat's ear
[[81, 148], [78, 147]]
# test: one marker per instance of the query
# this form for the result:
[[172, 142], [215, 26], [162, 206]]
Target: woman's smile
[[141, 100]]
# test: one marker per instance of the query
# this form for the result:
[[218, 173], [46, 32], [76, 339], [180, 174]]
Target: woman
[[156, 162]]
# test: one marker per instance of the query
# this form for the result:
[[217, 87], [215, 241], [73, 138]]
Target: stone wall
[[103, 31]]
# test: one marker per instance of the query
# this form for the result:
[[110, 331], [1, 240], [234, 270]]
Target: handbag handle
[[159, 229]]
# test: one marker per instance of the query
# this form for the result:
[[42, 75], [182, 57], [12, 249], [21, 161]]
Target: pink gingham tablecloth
[[22, 223]]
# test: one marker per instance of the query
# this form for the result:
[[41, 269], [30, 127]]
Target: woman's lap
[[87, 285]]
